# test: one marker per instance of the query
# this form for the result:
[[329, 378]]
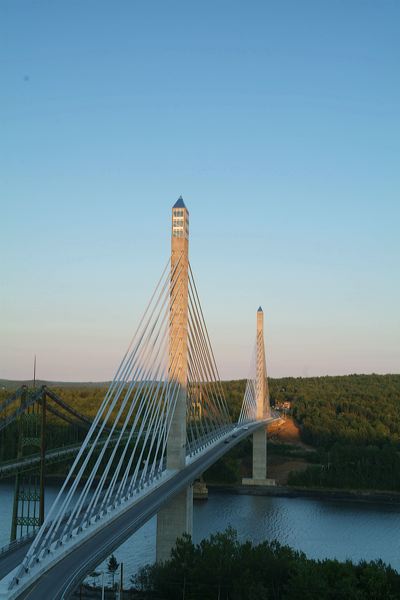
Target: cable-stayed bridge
[[163, 421]]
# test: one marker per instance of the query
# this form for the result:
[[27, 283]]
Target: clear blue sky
[[279, 122]]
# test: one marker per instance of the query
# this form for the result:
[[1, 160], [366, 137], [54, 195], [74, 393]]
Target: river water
[[320, 528]]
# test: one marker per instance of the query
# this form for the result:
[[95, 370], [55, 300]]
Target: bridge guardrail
[[15, 543]]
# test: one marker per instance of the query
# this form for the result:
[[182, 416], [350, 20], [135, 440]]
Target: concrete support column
[[260, 454], [263, 411], [176, 517], [173, 520]]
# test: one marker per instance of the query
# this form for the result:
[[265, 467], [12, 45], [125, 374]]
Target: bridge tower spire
[[176, 517], [262, 411], [262, 395]]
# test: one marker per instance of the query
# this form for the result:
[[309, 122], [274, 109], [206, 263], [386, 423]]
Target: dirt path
[[286, 432], [279, 467]]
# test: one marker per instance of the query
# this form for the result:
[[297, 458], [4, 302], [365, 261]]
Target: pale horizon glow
[[280, 126]]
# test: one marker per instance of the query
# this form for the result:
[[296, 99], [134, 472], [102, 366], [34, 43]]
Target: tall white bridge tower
[[176, 517], [262, 410]]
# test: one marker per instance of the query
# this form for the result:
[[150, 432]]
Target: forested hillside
[[353, 422], [361, 409], [357, 409]]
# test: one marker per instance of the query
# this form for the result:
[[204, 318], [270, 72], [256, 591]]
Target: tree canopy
[[222, 567]]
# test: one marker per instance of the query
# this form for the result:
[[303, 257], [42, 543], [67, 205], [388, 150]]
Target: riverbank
[[319, 528], [365, 496]]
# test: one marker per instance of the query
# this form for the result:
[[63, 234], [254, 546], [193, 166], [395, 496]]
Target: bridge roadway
[[63, 578]]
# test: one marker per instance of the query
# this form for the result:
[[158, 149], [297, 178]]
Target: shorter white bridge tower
[[262, 411]]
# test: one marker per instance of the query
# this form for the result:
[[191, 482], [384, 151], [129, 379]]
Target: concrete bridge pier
[[259, 475], [175, 519]]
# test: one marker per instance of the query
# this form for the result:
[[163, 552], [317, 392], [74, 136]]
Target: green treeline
[[347, 466], [355, 409], [353, 422], [221, 567]]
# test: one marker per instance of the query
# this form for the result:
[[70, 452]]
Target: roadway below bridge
[[61, 580]]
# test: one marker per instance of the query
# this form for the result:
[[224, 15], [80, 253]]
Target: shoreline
[[363, 496]]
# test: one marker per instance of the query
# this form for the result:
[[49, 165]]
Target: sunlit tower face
[[180, 239], [178, 331], [180, 220]]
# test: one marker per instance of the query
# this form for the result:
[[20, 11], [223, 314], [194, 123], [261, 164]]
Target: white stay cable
[[205, 345], [93, 471], [142, 358], [66, 499], [204, 373], [217, 378], [134, 478], [56, 511], [207, 416], [247, 412], [151, 375]]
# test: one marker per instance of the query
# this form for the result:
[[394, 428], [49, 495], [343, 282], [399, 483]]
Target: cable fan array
[[133, 422], [256, 386], [248, 412], [207, 412]]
